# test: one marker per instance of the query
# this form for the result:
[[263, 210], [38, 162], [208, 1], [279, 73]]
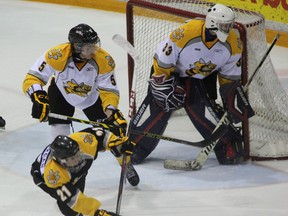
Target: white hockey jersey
[[81, 84], [186, 52]]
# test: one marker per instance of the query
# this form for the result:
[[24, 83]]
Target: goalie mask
[[85, 42], [220, 19], [67, 153]]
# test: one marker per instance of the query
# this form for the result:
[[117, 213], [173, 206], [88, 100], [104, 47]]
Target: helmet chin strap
[[77, 58]]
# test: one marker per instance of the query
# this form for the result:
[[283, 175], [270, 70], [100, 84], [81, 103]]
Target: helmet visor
[[225, 27], [74, 163], [87, 50]]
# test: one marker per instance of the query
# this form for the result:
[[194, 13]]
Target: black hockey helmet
[[63, 147], [66, 151], [84, 41], [83, 33]]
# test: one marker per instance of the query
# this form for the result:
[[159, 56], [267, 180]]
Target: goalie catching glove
[[117, 119], [40, 108], [166, 93], [235, 102]]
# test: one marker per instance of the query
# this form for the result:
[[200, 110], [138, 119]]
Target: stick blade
[[122, 42], [182, 165]]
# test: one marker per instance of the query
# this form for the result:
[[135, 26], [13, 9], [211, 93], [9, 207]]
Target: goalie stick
[[202, 157]]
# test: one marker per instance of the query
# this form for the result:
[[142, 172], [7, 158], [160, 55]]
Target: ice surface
[[27, 30]]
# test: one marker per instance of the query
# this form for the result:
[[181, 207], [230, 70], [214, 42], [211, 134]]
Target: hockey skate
[[131, 175], [2, 123]]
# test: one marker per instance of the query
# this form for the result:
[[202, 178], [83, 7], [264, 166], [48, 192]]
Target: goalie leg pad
[[229, 149], [195, 107], [145, 145], [155, 123], [236, 102]]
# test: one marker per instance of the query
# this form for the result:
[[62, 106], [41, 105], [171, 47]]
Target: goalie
[[185, 69]]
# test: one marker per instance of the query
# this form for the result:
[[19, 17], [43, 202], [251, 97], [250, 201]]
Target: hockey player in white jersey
[[81, 75], [185, 68]]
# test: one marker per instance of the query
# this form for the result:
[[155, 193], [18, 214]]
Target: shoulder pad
[[87, 142], [57, 56], [235, 42], [105, 61], [186, 32], [55, 175]]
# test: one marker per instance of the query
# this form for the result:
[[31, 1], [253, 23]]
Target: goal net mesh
[[150, 21]]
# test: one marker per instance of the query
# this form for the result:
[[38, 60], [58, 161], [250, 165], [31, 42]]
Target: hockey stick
[[94, 123], [198, 163], [122, 42], [214, 136]]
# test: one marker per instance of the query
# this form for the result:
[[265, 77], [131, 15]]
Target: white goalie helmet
[[220, 19]]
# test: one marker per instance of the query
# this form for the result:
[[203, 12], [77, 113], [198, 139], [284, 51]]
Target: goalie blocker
[[200, 94]]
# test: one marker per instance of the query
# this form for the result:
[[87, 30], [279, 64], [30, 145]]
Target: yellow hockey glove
[[101, 212], [117, 119], [115, 144], [120, 145]]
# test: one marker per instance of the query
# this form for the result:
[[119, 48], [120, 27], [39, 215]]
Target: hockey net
[[150, 21]]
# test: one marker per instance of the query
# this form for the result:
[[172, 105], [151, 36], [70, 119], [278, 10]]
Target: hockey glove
[[128, 147], [117, 119], [120, 145], [167, 94], [40, 108], [235, 102], [101, 212]]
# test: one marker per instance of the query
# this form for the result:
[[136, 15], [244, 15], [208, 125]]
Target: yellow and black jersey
[[185, 52], [81, 84], [61, 182]]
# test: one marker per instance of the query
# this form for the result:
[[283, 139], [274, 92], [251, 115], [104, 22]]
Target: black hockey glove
[[101, 212], [235, 102], [40, 108], [117, 119], [167, 94], [128, 147]]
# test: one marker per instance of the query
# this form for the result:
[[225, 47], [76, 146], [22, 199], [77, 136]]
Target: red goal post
[[149, 21]]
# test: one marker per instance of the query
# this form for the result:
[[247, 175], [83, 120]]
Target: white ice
[[27, 30]]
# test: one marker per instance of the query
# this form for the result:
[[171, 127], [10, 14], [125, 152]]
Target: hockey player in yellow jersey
[[186, 65], [81, 75], [61, 169]]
